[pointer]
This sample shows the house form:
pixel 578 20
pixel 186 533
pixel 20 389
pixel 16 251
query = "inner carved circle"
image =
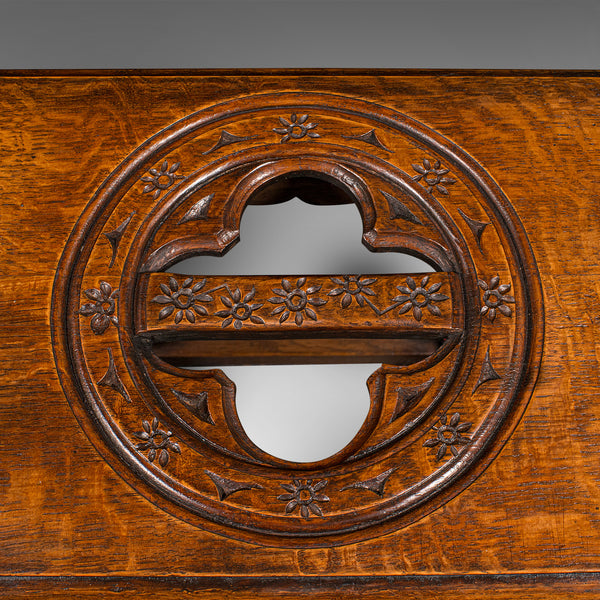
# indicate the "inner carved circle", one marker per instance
pixel 492 298
pixel 246 311
pixel 296 300
pixel 420 292
pixel 447 435
pixel 183 299
pixel 165 184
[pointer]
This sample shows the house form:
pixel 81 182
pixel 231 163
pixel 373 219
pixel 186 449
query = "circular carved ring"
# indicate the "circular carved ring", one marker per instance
pixel 174 434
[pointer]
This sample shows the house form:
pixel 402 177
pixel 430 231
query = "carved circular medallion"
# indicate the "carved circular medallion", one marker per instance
pixel 174 434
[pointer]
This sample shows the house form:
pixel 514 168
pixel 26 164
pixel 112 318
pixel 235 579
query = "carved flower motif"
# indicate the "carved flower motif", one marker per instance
pixel 157 441
pixel 495 298
pixel 449 435
pixel 296 300
pixel 418 297
pixel 103 307
pixel 352 287
pixel 161 180
pixel 183 299
pixel 296 128
pixel 239 310
pixel 433 176
pixel 304 495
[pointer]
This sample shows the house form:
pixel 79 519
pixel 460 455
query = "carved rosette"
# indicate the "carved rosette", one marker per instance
pixel 433 425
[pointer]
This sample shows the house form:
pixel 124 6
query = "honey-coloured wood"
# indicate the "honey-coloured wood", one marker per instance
pixel 475 470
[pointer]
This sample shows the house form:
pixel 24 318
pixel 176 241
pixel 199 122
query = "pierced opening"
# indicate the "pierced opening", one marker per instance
pixel 296 238
pixel 312 399
pixel 302 413
pixel 220 351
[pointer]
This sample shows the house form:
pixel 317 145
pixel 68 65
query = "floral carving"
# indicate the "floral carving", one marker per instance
pixel 418 297
pixel 157 441
pixel 353 287
pixel 296 128
pixel 239 310
pixel 295 300
pixel 495 298
pixel 103 307
pixel 161 180
pixel 184 299
pixel 449 435
pixel 304 495
pixel 432 176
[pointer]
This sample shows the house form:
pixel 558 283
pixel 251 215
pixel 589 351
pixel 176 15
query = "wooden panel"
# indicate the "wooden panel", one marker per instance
pixel 521 518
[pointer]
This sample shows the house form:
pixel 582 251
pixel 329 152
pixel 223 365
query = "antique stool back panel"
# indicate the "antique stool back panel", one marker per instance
pixel 489 480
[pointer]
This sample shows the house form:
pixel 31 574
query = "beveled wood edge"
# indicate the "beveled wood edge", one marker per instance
pixel 264 72
pixel 311 586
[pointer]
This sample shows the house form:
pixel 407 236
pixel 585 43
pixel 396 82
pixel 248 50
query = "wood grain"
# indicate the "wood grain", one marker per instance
pixel 527 526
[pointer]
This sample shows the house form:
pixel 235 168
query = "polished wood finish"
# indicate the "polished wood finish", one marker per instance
pixel 123 475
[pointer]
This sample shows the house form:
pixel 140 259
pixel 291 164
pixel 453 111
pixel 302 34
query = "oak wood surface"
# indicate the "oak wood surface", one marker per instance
pixel 527 527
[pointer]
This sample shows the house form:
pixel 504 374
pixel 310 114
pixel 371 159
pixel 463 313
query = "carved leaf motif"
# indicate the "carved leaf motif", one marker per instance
pixel 409 397
pixel 375 484
pixel 370 137
pixel 197 211
pixel 488 373
pixel 114 237
pixel 226 139
pixel 227 487
pixel 398 210
pixel 112 380
pixel 197 403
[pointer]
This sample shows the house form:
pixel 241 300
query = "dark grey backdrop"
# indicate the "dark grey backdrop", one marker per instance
pixel 288 33
pixel 282 414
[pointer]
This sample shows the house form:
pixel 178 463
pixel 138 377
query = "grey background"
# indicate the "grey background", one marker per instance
pixel 277 405
pixel 287 33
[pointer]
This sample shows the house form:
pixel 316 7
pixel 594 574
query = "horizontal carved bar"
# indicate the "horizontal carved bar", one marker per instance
pixel 398 305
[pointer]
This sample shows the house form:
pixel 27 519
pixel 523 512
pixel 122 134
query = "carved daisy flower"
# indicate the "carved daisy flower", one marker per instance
pixel 102 307
pixel 352 287
pixel 157 441
pixel 239 310
pixel 304 495
pixel 296 128
pixel 495 298
pixel 449 435
pixel 295 300
pixel 432 176
pixel 183 298
pixel 161 180
pixel 418 297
